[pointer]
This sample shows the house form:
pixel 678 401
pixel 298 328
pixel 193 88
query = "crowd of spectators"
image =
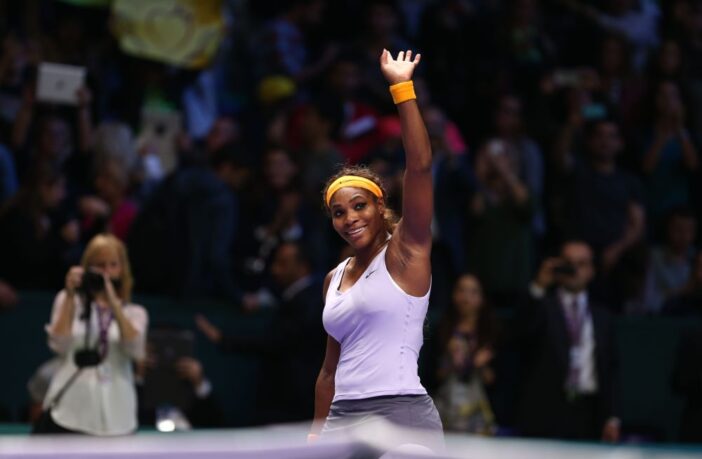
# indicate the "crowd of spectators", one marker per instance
pixel 550 121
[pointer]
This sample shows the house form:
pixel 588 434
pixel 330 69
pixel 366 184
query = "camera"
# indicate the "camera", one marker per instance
pixel 85 358
pixel 93 282
pixel 565 269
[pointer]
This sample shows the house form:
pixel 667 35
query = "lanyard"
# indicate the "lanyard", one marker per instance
pixel 104 319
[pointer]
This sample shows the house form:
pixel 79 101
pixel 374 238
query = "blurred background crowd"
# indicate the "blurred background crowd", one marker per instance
pixel 566 138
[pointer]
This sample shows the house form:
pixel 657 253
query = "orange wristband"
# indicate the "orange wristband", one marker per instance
pixel 402 92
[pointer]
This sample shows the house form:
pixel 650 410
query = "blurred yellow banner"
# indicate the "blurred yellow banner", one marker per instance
pixel 184 33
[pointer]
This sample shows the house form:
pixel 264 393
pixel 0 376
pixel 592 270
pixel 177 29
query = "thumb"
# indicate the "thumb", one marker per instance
pixel 384 56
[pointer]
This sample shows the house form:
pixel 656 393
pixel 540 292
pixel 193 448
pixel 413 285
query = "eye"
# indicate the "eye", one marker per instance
pixel 338 213
pixel 360 206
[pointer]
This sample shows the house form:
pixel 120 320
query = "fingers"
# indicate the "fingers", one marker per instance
pixel 402 56
pixel 385 56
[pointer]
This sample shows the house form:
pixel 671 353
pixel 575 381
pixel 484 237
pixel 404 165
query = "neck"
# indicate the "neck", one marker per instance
pixel 364 256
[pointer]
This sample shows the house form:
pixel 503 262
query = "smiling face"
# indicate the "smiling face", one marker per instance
pixel 357 216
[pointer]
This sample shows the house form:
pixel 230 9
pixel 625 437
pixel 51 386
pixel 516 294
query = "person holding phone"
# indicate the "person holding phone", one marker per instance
pixel 97 332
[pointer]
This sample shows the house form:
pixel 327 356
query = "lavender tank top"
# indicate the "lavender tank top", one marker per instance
pixel 380 329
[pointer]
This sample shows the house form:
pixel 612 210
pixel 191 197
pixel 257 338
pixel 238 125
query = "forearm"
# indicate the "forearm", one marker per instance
pixel 85 129
pixel 127 331
pixel 518 191
pixel 324 394
pixel 415 138
pixel 63 325
pixel 21 127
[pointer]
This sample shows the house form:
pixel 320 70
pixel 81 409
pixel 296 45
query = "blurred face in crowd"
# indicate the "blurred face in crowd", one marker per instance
pixel 313 11
pixel 286 266
pixel 618 7
pixel 313 126
pixel 224 131
pixel 345 78
pixel 681 233
pixel 467 295
pixel 613 56
pixel 55 139
pixel 668 100
pixel 53 193
pixel 382 19
pixel 106 260
pixel 15 58
pixel 605 141
pixel 279 169
pixel 669 58
pixel 111 180
pixel 357 216
pixel 508 119
pixel 578 255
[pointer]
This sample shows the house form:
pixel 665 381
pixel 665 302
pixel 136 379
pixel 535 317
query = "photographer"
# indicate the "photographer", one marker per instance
pixel 97 333
pixel 569 353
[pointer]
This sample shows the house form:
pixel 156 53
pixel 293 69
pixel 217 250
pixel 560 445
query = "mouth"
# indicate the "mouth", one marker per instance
pixel 355 233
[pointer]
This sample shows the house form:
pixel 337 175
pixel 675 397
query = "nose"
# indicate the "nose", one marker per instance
pixel 351 218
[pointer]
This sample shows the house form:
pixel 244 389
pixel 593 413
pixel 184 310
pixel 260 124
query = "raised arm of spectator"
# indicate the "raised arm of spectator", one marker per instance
pixel 23 120
pixel 85 119
pixel 652 156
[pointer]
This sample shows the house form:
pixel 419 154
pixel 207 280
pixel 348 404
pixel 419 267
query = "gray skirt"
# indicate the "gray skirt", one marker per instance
pixel 417 413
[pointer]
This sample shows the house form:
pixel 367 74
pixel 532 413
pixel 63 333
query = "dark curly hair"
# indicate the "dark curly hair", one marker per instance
pixel 389 217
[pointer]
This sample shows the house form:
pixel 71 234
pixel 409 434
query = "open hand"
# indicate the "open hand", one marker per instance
pixel 400 69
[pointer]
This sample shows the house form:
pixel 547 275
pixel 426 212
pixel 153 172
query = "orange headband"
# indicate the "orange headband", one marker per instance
pixel 355 181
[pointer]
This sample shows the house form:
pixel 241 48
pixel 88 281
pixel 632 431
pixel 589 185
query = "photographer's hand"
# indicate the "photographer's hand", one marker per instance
pixel 73 279
pixel 63 324
pixel 126 329
pixel 546 276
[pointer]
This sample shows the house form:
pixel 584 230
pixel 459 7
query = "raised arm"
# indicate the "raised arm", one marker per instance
pixel 414 230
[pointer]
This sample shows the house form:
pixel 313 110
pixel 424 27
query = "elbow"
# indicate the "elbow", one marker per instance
pixel 59 344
